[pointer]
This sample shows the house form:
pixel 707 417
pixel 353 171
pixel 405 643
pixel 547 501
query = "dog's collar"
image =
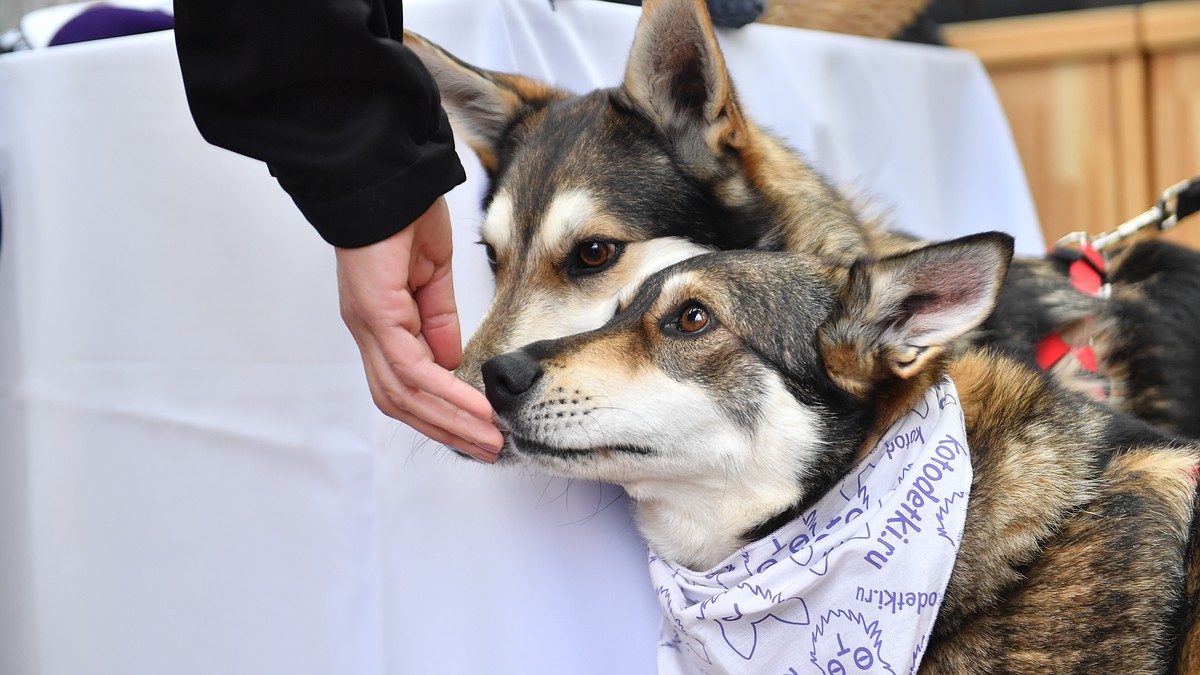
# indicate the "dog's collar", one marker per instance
pixel 853 585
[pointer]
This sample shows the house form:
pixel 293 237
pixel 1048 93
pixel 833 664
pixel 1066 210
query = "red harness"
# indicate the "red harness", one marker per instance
pixel 1088 276
pixel 1088 268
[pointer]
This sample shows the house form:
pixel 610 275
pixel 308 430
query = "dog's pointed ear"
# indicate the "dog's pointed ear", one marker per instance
pixel 677 76
pixel 896 314
pixel 482 104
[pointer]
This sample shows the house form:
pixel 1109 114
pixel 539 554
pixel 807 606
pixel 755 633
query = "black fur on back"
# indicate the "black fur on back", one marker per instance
pixel 1157 306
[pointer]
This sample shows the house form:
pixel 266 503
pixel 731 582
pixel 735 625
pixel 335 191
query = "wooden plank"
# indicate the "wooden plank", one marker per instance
pixel 1170 25
pixel 1063 122
pixel 1175 127
pixel 1057 36
pixel 1132 136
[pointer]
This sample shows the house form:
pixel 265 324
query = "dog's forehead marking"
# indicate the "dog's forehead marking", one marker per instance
pixel 546 316
pixel 650 256
pixel 497 228
pixel 565 217
pixel 676 286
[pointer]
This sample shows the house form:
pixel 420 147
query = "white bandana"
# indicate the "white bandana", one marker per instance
pixel 852 586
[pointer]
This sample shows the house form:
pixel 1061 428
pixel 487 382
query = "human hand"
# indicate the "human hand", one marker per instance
pixel 397 299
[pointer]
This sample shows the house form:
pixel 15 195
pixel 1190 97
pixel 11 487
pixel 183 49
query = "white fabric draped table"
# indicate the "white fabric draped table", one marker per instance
pixel 193 478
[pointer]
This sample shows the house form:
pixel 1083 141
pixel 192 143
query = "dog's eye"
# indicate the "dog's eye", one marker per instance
pixel 491 256
pixel 692 319
pixel 593 255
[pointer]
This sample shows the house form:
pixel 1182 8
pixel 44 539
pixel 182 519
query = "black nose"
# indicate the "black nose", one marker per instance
pixel 507 376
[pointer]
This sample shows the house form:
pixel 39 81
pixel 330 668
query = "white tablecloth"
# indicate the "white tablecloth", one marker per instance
pixel 193 479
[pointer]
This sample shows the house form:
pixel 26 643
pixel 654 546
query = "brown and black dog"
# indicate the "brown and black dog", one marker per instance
pixel 1080 518
pixel 736 387
pixel 589 194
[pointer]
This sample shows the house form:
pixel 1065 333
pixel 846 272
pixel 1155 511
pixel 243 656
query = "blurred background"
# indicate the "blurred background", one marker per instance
pixel 1103 99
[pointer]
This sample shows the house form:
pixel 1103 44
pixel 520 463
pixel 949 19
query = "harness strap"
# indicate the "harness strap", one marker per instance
pixel 1088 272
pixel 1052 349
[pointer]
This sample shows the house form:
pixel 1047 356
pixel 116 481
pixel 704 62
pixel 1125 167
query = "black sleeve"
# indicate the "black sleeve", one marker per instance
pixel 324 92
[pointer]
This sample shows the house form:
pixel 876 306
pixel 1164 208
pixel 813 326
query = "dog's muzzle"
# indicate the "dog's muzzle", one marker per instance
pixel 507 377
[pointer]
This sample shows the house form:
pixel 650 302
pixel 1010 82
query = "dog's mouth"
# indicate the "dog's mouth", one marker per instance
pixel 521 445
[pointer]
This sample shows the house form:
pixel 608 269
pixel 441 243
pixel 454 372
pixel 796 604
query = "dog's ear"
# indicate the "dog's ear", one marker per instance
pixel 677 77
pixel 896 314
pixel 481 104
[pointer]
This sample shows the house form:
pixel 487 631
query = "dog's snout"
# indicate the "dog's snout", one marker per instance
pixel 507 376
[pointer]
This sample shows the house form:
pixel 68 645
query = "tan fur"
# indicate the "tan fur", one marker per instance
pixel 1028 479
pixel 1189 650
pixel 827 227
pixel 1090 595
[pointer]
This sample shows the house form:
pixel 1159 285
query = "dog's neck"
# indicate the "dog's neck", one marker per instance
pixel 700 516
pixel 809 215
pixel 697 532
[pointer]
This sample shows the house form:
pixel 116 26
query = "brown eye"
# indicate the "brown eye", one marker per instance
pixel 593 254
pixel 693 319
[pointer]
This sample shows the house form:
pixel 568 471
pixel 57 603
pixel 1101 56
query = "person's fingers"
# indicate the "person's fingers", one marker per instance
pixel 410 359
pixel 397 298
pixel 432 283
pixel 406 384
pixel 389 407
pixel 373 285
pixel 402 383
pixel 446 438
pixel 443 385
pixel 439 318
